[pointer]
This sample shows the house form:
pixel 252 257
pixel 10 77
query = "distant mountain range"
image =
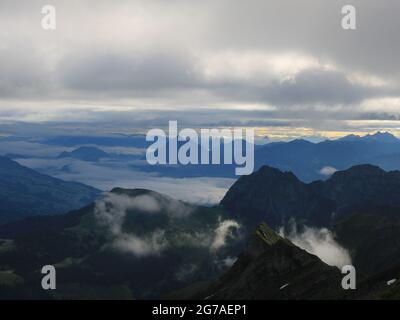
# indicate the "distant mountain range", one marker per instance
pixel 25 192
pixel 307 160
pixel 137 141
pixel 94 154
pixel 85 153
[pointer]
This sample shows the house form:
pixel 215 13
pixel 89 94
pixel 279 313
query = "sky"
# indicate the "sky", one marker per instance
pixel 286 68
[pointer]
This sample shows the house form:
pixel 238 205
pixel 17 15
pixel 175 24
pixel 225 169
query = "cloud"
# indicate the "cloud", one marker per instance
pixel 107 175
pixel 327 171
pixel 151 244
pixel 229 261
pixel 127 74
pixel 222 233
pixel 146 61
pixel 112 209
pixel 321 243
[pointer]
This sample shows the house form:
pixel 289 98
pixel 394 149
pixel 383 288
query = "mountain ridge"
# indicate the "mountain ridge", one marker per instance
pixel 271 267
pixel 25 192
pixel 275 196
pixel 85 153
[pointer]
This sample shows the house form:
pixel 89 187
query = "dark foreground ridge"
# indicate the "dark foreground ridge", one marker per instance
pixel 271 267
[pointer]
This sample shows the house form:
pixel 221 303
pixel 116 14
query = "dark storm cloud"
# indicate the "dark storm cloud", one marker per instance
pixel 311 87
pixel 130 76
pixel 313 26
pixel 186 55
pixel 122 73
pixel 22 74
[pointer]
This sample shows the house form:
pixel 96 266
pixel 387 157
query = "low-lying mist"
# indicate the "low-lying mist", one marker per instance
pixel 320 242
pixel 111 211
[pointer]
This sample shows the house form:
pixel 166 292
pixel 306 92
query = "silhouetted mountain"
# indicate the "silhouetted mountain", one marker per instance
pixel 25 192
pixel 271 267
pixel 86 154
pixel 276 197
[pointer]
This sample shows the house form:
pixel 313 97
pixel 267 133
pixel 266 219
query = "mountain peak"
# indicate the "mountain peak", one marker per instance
pixel 273 172
pixel 85 153
pixel 268 235
pixel 132 192
pixel 378 136
pixel 359 170
pixel 382 137
pixel 253 198
pixel 350 137
pixel 268 265
pixel 300 142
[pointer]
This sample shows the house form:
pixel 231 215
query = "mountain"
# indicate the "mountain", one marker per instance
pixel 384 137
pixel 307 160
pixel 92 154
pixel 372 236
pixel 121 140
pixel 129 244
pixel 276 197
pixel 360 205
pixel 25 192
pixel 271 267
pixel 139 244
pixel 381 137
pixel 362 185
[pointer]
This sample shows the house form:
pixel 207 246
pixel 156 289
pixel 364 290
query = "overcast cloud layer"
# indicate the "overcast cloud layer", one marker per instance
pixel 275 64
